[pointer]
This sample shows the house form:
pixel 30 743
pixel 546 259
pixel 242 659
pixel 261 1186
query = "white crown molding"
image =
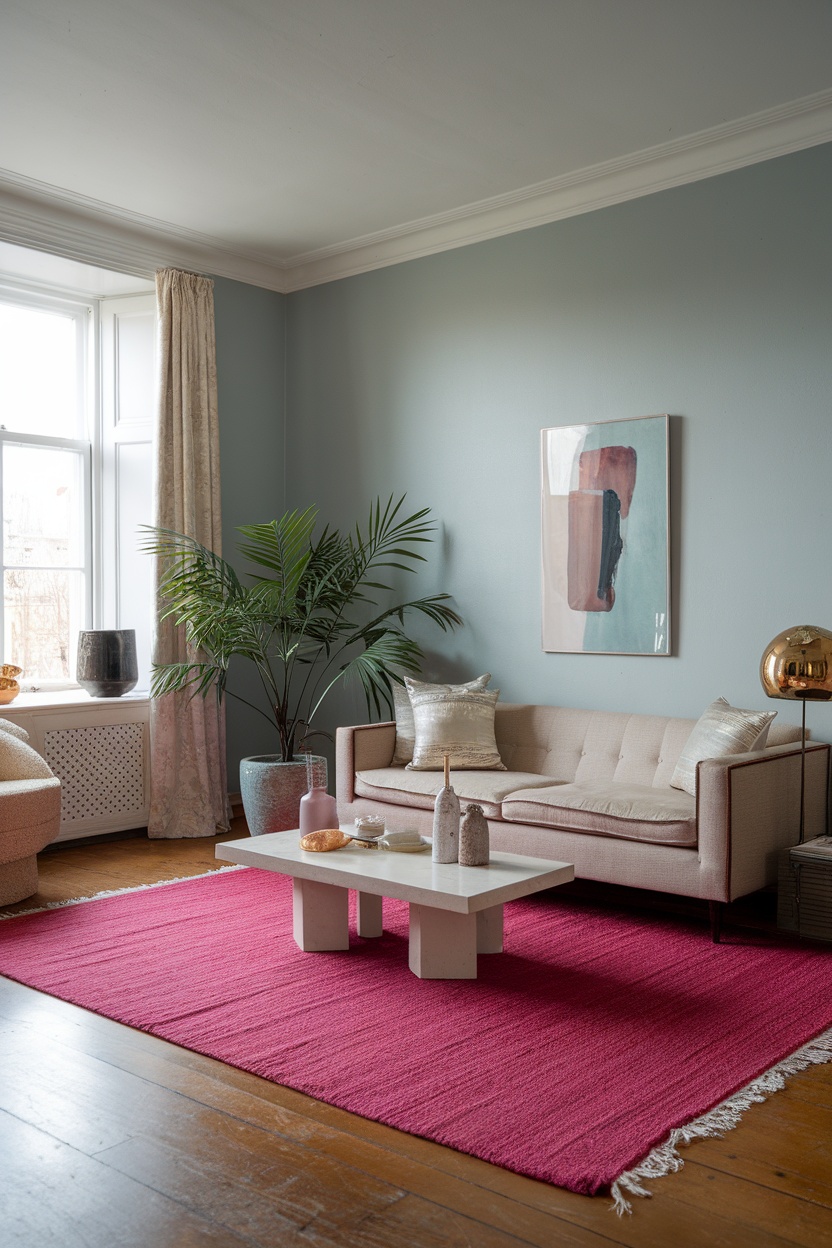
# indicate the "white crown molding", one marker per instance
pixel 33 214
pixel 763 136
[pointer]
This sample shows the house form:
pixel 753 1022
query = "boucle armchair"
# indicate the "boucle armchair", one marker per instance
pixel 30 812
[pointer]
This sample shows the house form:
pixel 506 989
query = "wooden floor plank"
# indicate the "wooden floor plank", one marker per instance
pixel 775 1153
pixel 249 1178
pixel 814 1085
pixel 788 1218
pixel 219 1156
pixel 53 1194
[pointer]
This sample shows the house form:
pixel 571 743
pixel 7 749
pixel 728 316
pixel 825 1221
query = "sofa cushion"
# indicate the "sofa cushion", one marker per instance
pixel 403 787
pixel 405 727
pixel 722 729
pixel 632 812
pixel 458 723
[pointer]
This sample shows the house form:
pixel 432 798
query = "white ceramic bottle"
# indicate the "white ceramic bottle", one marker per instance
pixel 446 822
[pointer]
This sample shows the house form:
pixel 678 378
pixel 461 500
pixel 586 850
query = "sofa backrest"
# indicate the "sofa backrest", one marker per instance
pixel 574 745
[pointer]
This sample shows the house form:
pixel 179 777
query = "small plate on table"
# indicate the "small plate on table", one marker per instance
pixel 405 847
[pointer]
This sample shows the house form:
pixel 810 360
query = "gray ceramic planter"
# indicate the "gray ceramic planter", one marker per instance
pixel 107 662
pixel 271 790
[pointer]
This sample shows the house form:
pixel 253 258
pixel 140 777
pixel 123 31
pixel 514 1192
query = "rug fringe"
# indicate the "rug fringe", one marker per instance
pixel 666 1159
pixel 117 892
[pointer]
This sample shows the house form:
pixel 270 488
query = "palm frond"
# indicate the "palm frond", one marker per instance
pixel 385 648
pixel 302 617
pixel 188 566
pixel 433 608
pixel 199 678
pixel 282 546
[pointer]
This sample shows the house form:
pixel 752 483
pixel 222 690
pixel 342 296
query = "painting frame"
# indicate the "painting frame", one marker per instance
pixel 605 537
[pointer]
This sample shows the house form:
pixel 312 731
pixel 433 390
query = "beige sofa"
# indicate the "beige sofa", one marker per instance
pixel 593 788
pixel 30 812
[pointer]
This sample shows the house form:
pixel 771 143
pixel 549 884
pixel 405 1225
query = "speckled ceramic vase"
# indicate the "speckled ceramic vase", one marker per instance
pixel 474 850
pixel 446 826
pixel 271 790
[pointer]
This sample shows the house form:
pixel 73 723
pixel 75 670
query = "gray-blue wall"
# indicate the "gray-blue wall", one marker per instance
pixel 710 302
pixel 251 359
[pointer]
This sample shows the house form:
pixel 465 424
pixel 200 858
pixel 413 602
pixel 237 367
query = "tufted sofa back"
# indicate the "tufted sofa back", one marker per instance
pixel 599 745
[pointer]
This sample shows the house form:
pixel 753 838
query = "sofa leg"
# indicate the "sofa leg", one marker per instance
pixel 716 909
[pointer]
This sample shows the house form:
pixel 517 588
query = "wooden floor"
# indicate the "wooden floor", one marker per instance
pixel 112 1139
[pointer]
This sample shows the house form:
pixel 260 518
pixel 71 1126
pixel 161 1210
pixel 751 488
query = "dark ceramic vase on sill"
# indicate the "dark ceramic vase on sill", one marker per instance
pixel 107 662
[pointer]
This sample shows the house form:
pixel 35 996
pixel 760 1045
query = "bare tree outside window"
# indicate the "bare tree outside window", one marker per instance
pixel 42 465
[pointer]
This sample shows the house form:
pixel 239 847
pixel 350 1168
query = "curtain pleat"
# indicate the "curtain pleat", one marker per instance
pixel 189 790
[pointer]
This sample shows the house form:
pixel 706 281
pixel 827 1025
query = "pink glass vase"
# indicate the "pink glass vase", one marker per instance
pixel 317 810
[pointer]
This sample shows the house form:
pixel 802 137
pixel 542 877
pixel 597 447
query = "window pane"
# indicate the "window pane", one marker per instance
pixel 43 507
pixel 39 384
pixel 43 613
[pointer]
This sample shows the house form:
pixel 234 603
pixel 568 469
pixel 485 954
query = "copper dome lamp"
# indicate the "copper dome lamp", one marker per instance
pixel 797 665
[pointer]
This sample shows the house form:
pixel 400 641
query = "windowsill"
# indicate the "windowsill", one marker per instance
pixel 69 697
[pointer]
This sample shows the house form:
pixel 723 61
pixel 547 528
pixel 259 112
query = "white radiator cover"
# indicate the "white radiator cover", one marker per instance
pixel 101 770
pixel 100 750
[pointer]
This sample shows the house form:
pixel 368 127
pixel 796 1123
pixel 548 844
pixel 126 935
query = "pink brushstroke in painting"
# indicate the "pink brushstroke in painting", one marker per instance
pixel 606 481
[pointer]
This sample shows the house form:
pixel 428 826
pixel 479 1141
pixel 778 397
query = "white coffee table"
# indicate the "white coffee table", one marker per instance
pixel 455 912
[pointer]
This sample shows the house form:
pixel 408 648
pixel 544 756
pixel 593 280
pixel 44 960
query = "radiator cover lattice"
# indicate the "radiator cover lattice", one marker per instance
pixel 101 769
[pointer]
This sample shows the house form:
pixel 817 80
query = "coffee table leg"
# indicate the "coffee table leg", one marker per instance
pixel 443 944
pixel 490 930
pixel 321 916
pixel 369 914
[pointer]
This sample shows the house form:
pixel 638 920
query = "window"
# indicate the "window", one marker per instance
pixel 76 386
pixel 45 483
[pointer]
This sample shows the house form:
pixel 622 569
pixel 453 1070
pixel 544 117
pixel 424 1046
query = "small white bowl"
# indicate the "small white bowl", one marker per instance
pixel 367 828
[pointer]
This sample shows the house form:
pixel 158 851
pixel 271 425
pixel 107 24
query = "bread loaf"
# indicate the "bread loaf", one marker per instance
pixel 325 839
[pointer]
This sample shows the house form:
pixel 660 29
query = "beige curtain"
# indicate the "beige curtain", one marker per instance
pixel 187 735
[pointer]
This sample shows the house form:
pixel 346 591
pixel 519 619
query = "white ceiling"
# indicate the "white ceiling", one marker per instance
pixel 291 141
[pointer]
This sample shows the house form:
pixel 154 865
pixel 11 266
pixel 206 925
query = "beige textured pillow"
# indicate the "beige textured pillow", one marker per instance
pixel 14 729
pixel 722 729
pixel 405 728
pixel 459 723
pixel 18 761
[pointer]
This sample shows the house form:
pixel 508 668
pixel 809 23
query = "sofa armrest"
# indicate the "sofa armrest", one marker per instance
pixel 748 810
pixel 360 748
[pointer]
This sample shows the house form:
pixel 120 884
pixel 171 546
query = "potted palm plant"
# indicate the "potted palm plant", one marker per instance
pixel 318 611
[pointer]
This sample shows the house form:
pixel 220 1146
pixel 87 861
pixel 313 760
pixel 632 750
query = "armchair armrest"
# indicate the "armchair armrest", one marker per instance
pixel 18 761
pixel 748 810
pixel 360 748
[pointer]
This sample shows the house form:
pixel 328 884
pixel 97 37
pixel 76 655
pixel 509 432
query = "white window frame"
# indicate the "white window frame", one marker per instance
pixel 85 314
pixel 112 436
pixel 124 466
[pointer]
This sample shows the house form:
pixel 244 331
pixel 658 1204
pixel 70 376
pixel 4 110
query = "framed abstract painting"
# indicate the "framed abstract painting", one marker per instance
pixel 605 539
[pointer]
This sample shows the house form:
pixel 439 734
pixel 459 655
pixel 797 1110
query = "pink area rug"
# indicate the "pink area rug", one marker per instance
pixel 591 1039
